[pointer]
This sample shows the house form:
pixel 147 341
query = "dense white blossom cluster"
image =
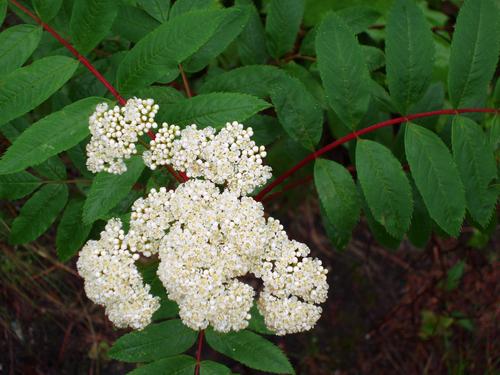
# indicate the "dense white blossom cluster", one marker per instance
pixel 228 157
pixel 207 233
pixel 115 131
pixel 112 279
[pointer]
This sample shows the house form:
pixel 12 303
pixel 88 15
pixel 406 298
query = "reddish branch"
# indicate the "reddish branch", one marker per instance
pixel 353 135
pixel 198 352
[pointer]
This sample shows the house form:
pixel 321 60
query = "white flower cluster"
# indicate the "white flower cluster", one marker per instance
pixel 228 157
pixel 115 132
pixel 112 279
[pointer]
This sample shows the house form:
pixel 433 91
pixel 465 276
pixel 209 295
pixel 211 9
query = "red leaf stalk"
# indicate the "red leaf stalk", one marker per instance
pixel 198 352
pixel 311 157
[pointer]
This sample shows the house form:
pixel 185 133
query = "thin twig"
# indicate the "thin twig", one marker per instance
pixel 198 352
pixel 185 81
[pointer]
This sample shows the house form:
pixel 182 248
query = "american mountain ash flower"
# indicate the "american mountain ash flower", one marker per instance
pixel 208 236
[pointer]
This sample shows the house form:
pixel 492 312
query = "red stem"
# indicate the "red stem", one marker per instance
pixel 198 352
pixel 75 53
pixel 311 157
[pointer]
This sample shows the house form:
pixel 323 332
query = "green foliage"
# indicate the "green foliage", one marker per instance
pixel 160 52
pixel 298 111
pixel 27 87
pixel 409 54
pixel 213 109
pixel 186 6
pixel 477 168
pixel 252 40
pixel 250 349
pixel 282 25
pixel 154 342
pixel 38 213
pixel 71 233
pixel 47 9
pixel 17 43
pixel 49 136
pixel 108 190
pixel 18 185
pixel 339 198
pixel 343 70
pixel 213 368
pixel 157 9
pixel 3 10
pixel 385 187
pixel 436 177
pixel 474 52
pixel 177 365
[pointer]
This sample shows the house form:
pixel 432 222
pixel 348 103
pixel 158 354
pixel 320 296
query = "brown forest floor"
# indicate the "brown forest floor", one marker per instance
pixel 372 322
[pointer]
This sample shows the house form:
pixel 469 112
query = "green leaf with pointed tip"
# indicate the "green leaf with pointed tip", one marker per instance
pixel 213 109
pixel 157 9
pixel 252 40
pixel 298 112
pixel 474 52
pixel 477 167
pixel 47 9
pixel 282 25
pixel 3 10
pixel 375 58
pixel 359 17
pixel 186 6
pixel 91 21
pixel 27 87
pixel 108 190
pixel 231 26
pixel 133 23
pixel 17 43
pixel 250 349
pixel 51 135
pixel 383 237
pixel 257 323
pixel 213 368
pixel 385 187
pixel 38 213
pixel 409 54
pixel 255 80
pixel 18 185
pixel 71 233
pixel 177 365
pixel 421 224
pixel 343 70
pixel 436 177
pixel 154 342
pixel 160 52
pixel 338 196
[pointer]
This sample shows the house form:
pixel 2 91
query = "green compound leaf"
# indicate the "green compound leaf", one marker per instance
pixel 385 187
pixel 18 185
pixel 250 349
pixel 343 70
pixel 71 232
pixel 17 43
pixel 57 132
pixel 27 87
pixel 91 21
pixel 477 167
pixel 359 17
pixel 213 109
pixel 177 365
pixel 409 54
pixel 157 9
pixel 47 9
pixel 160 52
pixel 436 177
pixel 213 368
pixel 339 198
pixel 257 323
pixel 474 52
pixel 108 190
pixel 231 26
pixel 252 40
pixel 154 342
pixel 186 6
pixel 421 224
pixel 53 168
pixel 133 23
pixel 282 25
pixel 298 112
pixel 38 213
pixel 3 10
pixel 257 80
